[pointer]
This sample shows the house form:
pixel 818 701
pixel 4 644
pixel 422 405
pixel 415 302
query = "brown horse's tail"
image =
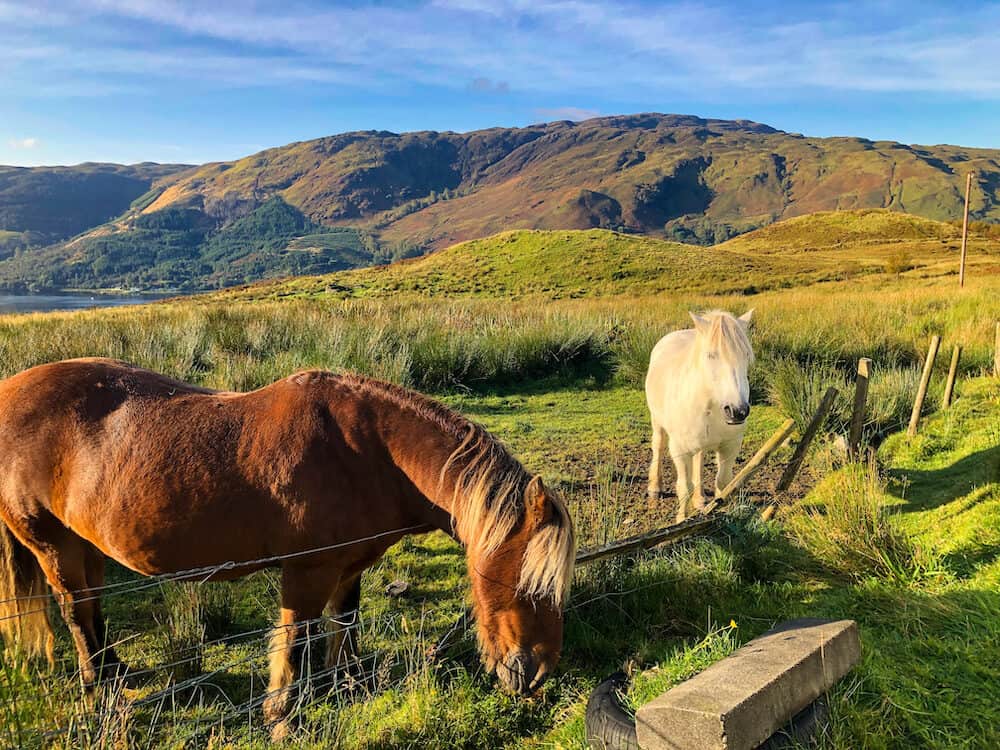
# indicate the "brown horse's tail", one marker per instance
pixel 24 599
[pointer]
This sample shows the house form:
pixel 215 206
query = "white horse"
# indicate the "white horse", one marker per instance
pixel 699 398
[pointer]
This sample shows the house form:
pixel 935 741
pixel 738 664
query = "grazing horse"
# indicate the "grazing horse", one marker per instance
pixel 100 458
pixel 699 399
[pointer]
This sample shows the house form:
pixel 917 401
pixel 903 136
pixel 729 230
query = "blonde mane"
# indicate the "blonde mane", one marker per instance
pixel 488 502
pixel 727 336
pixel 488 499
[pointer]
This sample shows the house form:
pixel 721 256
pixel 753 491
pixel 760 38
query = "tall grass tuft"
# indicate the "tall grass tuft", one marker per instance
pixel 850 531
pixel 184 629
pixel 797 389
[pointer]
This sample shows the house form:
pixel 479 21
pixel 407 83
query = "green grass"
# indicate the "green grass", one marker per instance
pixel 931 642
pixel 559 381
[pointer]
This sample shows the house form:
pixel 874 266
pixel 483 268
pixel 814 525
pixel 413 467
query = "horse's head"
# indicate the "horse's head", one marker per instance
pixel 520 589
pixel 724 357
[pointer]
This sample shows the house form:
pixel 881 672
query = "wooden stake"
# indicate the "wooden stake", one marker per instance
pixel 767 513
pixel 949 386
pixel 996 352
pixel 860 402
pixel 800 450
pixel 965 230
pixel 646 540
pixel 753 465
pixel 925 379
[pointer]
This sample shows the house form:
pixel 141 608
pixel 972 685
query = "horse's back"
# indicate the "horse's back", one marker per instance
pixel 149 468
pixel 666 359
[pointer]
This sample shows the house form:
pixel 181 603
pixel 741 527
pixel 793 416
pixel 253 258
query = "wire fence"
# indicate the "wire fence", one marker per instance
pixel 218 685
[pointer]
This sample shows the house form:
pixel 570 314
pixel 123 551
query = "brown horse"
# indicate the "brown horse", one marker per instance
pixel 100 458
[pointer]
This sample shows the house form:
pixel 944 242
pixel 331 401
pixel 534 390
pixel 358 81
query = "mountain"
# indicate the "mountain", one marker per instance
pixel 366 197
pixel 681 177
pixel 42 205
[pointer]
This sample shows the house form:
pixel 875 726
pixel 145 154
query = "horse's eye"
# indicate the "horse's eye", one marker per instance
pixel 713 355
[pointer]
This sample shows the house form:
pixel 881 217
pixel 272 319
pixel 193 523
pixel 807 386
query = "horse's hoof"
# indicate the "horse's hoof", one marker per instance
pixel 281 731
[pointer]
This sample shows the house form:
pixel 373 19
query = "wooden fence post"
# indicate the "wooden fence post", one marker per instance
pixel 925 379
pixel 800 451
pixel 949 386
pixel 965 231
pixel 751 467
pixel 996 352
pixel 858 411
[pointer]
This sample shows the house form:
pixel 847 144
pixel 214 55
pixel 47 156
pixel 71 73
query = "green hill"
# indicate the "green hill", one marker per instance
pixel 597 262
pixel 842 229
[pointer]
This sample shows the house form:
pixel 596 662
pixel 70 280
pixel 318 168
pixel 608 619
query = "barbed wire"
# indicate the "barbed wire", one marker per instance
pixel 208 571
pixel 194 687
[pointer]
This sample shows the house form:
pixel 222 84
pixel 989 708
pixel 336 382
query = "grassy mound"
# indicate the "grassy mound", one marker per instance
pixel 842 230
pixel 555 264
pixel 558 265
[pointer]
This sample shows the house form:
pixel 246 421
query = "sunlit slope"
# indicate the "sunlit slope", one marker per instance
pixel 555 264
pixel 843 230
pixel 592 263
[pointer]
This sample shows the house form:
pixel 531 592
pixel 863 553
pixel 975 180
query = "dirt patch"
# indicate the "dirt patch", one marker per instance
pixel 615 506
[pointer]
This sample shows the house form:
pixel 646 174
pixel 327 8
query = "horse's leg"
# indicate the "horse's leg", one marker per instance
pixel 63 558
pixel 655 486
pixel 726 457
pixel 682 462
pixel 345 606
pixel 106 657
pixel 697 494
pixel 295 645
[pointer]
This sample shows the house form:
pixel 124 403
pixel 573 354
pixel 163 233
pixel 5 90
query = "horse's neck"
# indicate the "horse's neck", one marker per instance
pixel 420 450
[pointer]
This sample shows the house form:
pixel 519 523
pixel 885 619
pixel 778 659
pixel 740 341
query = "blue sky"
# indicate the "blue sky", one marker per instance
pixel 179 80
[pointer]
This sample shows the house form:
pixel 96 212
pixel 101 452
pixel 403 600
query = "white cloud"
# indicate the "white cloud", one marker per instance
pixel 567 113
pixel 23 143
pixel 637 49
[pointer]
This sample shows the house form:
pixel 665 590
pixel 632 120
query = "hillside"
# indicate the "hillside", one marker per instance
pixel 42 205
pixel 597 262
pixel 386 196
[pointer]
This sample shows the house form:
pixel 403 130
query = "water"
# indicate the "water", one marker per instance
pixel 22 303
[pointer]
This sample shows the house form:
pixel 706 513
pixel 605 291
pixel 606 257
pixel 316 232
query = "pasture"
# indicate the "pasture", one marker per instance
pixel 906 543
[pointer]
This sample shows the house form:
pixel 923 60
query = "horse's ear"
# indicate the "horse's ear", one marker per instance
pixel 535 496
pixel 700 324
pixel 746 317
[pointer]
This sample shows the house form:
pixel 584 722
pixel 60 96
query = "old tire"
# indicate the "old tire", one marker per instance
pixel 609 727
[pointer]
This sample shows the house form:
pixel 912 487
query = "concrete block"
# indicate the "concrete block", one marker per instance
pixel 737 703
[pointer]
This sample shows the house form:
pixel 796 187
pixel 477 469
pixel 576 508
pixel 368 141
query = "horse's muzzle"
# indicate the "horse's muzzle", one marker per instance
pixel 520 673
pixel 736 414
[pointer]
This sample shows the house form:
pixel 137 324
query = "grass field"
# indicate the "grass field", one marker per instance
pixel 907 545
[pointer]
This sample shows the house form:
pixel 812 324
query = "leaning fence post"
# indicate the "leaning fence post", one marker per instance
pixel 800 450
pixel 949 386
pixel 751 467
pixel 860 401
pixel 925 379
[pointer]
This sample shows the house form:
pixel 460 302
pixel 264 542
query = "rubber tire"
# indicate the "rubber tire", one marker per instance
pixel 609 727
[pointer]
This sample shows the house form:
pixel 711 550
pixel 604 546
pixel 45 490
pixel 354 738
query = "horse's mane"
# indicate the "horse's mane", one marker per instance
pixel 488 500
pixel 727 336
